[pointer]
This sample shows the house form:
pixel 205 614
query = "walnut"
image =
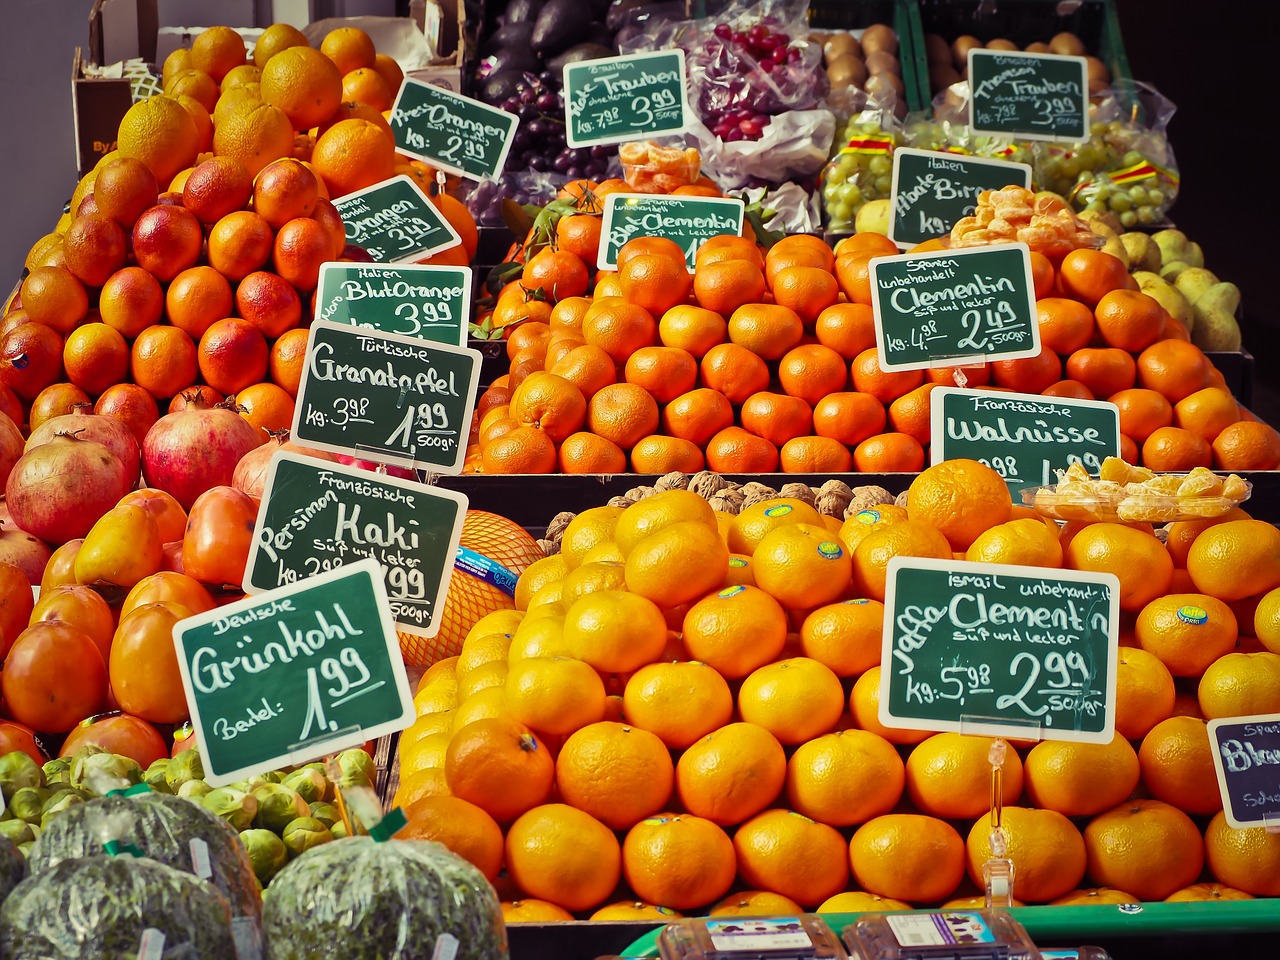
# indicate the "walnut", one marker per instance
pixel 672 481
pixel 798 491
pixel 725 502
pixel 549 547
pixel 831 504
pixel 837 487
pixel 636 494
pixel 623 502
pixel 874 494
pixel 901 500
pixel 758 491
pixel 555 529
pixel 706 484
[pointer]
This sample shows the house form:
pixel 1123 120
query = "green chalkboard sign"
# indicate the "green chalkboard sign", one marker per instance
pixel 932 190
pixel 945 307
pixel 394 221
pixel 1033 96
pixel 686 220
pixel 1246 758
pixel 625 98
pixel 318 516
pixel 1023 437
pixel 294 674
pixel 384 397
pixel 413 300
pixel 1000 650
pixel 450 131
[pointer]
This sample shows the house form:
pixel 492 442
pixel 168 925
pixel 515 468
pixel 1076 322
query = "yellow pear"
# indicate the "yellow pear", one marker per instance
pixel 122 547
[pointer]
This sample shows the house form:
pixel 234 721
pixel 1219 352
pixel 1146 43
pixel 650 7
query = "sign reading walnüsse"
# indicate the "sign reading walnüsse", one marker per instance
pixel 1035 96
pixel 932 191
pixel 1000 650
pixel 294 674
pixel 1024 437
pixel 385 397
pixel 631 97
pixel 414 300
pixel 395 221
pixel 1246 757
pixel 450 131
pixel 950 306
pixel 318 516
pixel 686 220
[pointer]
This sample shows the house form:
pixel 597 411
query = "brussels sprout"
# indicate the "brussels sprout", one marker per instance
pixel 304 833
pixel 357 768
pixel 308 784
pixel 187 765
pixel 272 776
pixel 267 853
pixel 234 806
pixel 57 770
pixel 17 831
pixel 60 801
pixel 17 770
pixel 100 772
pixel 194 790
pixel 277 805
pixel 27 803
pixel 326 813
pixel 153 776
pixel 339 830
pixel 25 848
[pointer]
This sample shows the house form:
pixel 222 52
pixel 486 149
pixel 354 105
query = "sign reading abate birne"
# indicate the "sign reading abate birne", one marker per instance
pixel 450 131
pixel 1246 756
pixel 946 307
pixel 933 191
pixel 1024 437
pixel 395 221
pixel 293 674
pixel 1000 650
pixel 1035 96
pixel 414 300
pixel 318 516
pixel 689 221
pixel 615 99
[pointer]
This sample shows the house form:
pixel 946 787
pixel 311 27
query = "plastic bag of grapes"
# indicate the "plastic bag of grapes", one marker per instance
pixel 861 169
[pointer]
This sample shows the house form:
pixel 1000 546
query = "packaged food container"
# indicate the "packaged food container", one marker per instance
pixel 938 934
pixel 750 938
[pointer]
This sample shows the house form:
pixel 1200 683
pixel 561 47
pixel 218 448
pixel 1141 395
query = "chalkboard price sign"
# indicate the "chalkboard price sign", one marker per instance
pixel 318 516
pixel 293 674
pixel 686 220
pixel 932 191
pixel 1023 437
pixel 385 397
pixel 413 300
pixel 394 221
pixel 1035 96
pixel 450 131
pixel 616 99
pixel 1000 650
pixel 949 306
pixel 1246 756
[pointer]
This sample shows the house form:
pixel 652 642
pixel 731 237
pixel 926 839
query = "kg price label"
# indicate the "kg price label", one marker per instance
pixel 616 99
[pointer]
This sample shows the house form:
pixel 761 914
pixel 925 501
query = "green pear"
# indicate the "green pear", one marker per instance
pixel 1117 249
pixel 1216 330
pixel 1172 269
pixel 1169 297
pixel 121 548
pixel 1194 282
pixel 1193 254
pixel 1172 244
pixel 1143 252
pixel 873 217
pixel 1101 218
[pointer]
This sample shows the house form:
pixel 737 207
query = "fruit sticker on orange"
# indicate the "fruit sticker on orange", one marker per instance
pixel 1246 757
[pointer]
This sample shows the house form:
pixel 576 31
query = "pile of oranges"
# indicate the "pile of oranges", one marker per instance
pixel 766 360
pixel 682 715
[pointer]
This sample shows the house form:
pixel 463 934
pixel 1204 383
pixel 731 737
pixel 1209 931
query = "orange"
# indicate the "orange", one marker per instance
pixel 55 297
pixel 855 529
pixel 1174 368
pixel 216 51
pixel 55 400
pixel 776 417
pixel 767 330
pixel 655 282
pixel 94 247
pixel 232 355
pixel 1027 541
pixel 811 372
pixel 579 452
pixel 802 566
pixel 1247 859
pixel 266 406
pixel 755 903
pixel 908 857
pixel 95 357
pixel 911 413
pixel 529 910
pixel 131 405
pixel 463 827
pixel 288 354
pixel 734 450
pixel 1029 374
pixel 1144 846
pixel 859 901
pixel 1105 371
pixel 160 132
pixel 845 637
pixel 1247 445
pixel 885 386
pixel 803 242
pixel 731 773
pixel 587 367
pixel 1175 449
pixel 197 85
pixel 283 190
pixel 619 328
pixel 1144 692
pixel 1138 560
pixel 677 564
pixel 1187 631
pixel 269 302
pixel 864 708
pixel 678 860
pixel 1240 685
pixel 557 273
pixel 724 286
pixel 523 450
pixel 550 403
pixel 1068 388
pixel 644 245
pixel 806 290
pixel 353 154
pixel 751 524
pixel 680 701
pixel 736 630
pixel 1065 325
pixel 844 778
pixel 255 133
pixel 693 329
pixel 1236 559
pixel 853 272
pixel 239 244
pixel 1266 621
pixel 1176 759
pixel 277 37
pixel 795 699
pixel 847 328
pixel 734 371
pixel 849 417
pixel 623 413
pixel 1047 851
pixel 563 855
pixel 350 48
pixel 1142 412
pixel 866 242
pixel 1207 891
pixel 123 189
pixel 728 246
pixel 1089 275
pixel 617 773
pixel 615 631
pixel 1207 412
pixel 196 298
pixel 163 361
pixel 659 455
pixel 664 372
pixel 1093 897
pixel 652 514
pixel 634 910
pixel 973 375
pixel 949 776
pixel 579 234
pixel 586 530
pixel 790 854
pixel 167 239
pixel 962 498
pixel 367 85
pixel 909 538
pixel 1134 321
pixel 499 765
pixel 1081 779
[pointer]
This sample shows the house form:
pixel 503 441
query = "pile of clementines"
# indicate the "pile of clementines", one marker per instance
pixel 766 359
pixel 681 714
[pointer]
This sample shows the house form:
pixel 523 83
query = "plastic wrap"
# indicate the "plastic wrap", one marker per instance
pixel 397 900
pixel 1014 214
pixel 861 167
pixel 13 867
pixel 102 907
pixel 177 832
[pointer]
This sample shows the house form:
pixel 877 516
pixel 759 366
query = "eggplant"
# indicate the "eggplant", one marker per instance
pixel 560 24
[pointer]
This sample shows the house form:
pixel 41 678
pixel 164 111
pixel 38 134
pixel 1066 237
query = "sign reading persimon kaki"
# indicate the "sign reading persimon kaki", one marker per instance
pixel 414 300
pixel 318 516
pixel 631 97
pixel 687 220
pixel 1246 758
pixel 450 131
pixel 1024 437
pixel 1000 650
pixel 291 675
pixel 932 191
pixel 949 306
pixel 394 221
pixel 1034 96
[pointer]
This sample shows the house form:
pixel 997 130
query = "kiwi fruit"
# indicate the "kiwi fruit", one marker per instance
pixel 936 49
pixel 881 37
pixel 1067 44
pixel 881 61
pixel 960 48
pixel 1000 43
pixel 846 70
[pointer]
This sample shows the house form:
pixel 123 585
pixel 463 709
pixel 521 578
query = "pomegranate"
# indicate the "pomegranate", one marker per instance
pixel 58 490
pixel 251 472
pixel 191 450
pixel 24 551
pixel 82 422
pixel 11 446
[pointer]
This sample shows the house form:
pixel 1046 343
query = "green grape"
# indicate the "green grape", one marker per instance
pixel 1138 194
pixel 884 183
pixel 1155 196
pixel 1121 202
pixel 881 165
pixel 851 194
pixel 1128 219
pixel 1147 215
